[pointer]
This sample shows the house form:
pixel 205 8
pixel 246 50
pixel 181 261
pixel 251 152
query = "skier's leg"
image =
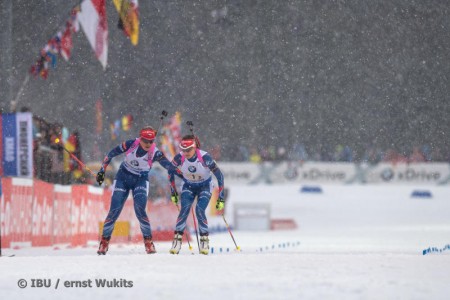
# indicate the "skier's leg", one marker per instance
pixel 187 198
pixel 140 192
pixel 118 199
pixel 200 211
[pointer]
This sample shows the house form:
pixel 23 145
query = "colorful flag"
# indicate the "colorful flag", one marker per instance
pixel 115 129
pixel 70 146
pixel 51 52
pixel 40 68
pixel 171 136
pixel 98 116
pixel 74 24
pixel 92 18
pixel 66 42
pixel 60 44
pixel 127 122
pixel 128 18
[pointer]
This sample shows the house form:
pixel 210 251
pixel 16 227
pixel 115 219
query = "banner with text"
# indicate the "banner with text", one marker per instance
pixel 17 145
pixel 335 173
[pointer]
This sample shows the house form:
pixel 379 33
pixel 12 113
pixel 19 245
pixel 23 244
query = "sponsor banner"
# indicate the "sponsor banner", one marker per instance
pixel 5 211
pixel 17 145
pixel 62 214
pixel 25 144
pixel 42 214
pixel 162 214
pixel 163 217
pixel 78 215
pixel 335 173
pixel 17 204
pixel 1 145
pixel 87 213
pixel 286 172
pixel 94 211
pixel 9 142
pixel 418 173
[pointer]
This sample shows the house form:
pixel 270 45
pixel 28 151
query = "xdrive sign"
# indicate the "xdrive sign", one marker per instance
pixel 410 175
pixel 323 175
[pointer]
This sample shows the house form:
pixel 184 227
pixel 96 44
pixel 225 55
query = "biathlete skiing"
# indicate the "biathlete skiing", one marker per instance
pixel 196 167
pixel 140 154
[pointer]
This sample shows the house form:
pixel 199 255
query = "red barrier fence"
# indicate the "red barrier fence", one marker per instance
pixel 42 232
pixel 37 213
pixel 17 204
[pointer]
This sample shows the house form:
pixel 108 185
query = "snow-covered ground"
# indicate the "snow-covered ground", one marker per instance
pixel 352 242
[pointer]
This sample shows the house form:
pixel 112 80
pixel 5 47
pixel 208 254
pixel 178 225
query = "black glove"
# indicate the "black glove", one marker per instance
pixel 100 177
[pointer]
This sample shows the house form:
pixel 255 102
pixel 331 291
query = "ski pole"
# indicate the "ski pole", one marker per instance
pixel 163 114
pixel 195 226
pixel 57 141
pixel 229 230
pixel 187 238
pixel 191 126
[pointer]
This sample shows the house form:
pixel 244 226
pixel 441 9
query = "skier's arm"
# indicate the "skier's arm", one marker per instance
pixel 114 152
pixel 173 189
pixel 212 165
pixel 164 162
pixel 176 162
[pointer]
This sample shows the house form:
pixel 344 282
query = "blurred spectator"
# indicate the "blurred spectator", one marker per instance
pixel 394 157
pixel 416 156
pixel 372 155
pixel 281 153
pixel 254 156
pixel 426 151
pixel 298 153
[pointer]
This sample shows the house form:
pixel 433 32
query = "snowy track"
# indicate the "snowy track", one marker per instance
pixel 350 247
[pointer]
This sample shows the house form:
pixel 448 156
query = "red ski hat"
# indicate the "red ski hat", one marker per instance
pixel 147 133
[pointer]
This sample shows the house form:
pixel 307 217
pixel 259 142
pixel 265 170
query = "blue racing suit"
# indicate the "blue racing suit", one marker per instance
pixel 132 175
pixel 196 173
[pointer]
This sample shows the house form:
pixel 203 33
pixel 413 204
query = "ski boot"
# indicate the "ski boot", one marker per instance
pixel 176 244
pixel 103 247
pixel 204 244
pixel 149 246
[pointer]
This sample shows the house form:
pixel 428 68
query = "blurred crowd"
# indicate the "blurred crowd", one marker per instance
pixel 339 153
pixel 51 162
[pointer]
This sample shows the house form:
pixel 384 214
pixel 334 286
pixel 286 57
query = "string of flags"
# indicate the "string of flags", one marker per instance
pixel 91 15
pixel 60 44
pixel 171 136
pixel 123 124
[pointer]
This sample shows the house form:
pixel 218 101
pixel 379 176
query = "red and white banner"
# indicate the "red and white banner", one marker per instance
pixel 16 208
pixel 62 213
pixel 42 231
pixel 37 213
pixel 87 212
pixel 92 18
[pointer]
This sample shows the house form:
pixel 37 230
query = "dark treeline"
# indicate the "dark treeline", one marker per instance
pixel 256 73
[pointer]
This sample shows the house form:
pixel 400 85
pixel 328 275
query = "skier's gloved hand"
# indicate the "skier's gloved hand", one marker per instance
pixel 100 177
pixel 220 203
pixel 174 198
